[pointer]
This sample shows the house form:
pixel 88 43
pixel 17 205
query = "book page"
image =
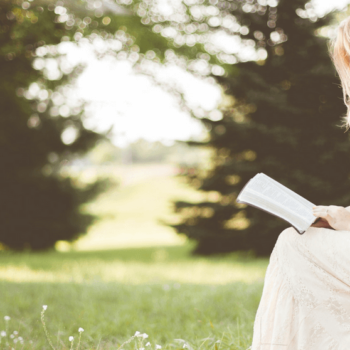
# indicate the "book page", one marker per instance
pixel 268 194
pixel 297 197
pixel 284 196
pixel 255 199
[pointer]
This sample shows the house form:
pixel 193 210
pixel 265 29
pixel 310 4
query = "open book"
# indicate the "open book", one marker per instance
pixel 265 193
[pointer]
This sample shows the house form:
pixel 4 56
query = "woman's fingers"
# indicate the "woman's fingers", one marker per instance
pixel 320 207
pixel 326 211
pixel 337 217
pixel 320 211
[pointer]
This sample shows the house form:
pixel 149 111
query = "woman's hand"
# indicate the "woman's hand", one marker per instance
pixel 322 223
pixel 336 217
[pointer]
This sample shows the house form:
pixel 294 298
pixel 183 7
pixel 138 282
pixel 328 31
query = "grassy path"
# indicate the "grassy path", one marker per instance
pixel 130 213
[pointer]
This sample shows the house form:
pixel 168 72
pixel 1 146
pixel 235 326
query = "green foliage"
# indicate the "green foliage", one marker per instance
pixel 40 204
pixel 88 290
pixel 284 121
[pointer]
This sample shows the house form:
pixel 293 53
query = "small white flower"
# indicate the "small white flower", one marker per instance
pixel 144 335
pixel 12 336
pixel 218 341
pixel 136 334
pixel 44 307
pixel 148 344
pixel 3 333
pixel 20 338
pixel 7 318
pixel 158 346
pixel 15 340
pixel 15 332
pixel 71 338
pixel 80 330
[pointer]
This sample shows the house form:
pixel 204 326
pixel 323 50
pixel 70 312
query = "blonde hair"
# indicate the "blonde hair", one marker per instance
pixel 340 54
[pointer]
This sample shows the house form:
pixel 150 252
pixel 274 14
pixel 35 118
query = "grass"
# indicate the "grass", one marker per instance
pixel 128 274
pixel 162 291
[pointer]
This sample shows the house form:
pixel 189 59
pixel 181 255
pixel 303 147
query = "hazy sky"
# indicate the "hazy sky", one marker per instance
pixel 323 6
pixel 135 107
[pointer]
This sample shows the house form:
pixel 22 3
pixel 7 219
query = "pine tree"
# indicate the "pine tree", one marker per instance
pixel 37 206
pixel 39 203
pixel 284 122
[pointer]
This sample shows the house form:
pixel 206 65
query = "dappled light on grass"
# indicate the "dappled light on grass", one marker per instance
pixel 131 266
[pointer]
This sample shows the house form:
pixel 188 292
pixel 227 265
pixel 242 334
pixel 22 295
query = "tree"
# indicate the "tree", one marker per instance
pixel 39 131
pixel 284 121
pixel 38 207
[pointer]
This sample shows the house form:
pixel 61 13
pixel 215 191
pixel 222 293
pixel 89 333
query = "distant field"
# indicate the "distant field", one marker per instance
pixel 130 212
pixel 162 291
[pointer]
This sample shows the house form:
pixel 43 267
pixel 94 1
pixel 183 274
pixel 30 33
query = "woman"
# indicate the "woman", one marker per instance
pixel 306 298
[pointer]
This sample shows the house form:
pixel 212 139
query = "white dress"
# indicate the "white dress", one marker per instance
pixel 305 303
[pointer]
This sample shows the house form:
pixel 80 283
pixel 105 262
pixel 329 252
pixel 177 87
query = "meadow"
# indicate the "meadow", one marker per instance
pixel 177 299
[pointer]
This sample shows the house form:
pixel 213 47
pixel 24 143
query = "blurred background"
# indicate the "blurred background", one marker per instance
pixel 127 130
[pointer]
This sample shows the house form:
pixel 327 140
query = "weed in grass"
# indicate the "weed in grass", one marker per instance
pixel 80 330
pixel 71 339
pixel 44 326
pixel 227 341
pixel 138 337
pixel 6 337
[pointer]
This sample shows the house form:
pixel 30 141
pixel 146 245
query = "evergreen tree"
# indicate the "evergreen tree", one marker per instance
pixel 39 133
pixel 284 122
pixel 37 206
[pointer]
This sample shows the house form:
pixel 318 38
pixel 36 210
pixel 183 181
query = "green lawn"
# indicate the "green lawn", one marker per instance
pixel 130 273
pixel 162 291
